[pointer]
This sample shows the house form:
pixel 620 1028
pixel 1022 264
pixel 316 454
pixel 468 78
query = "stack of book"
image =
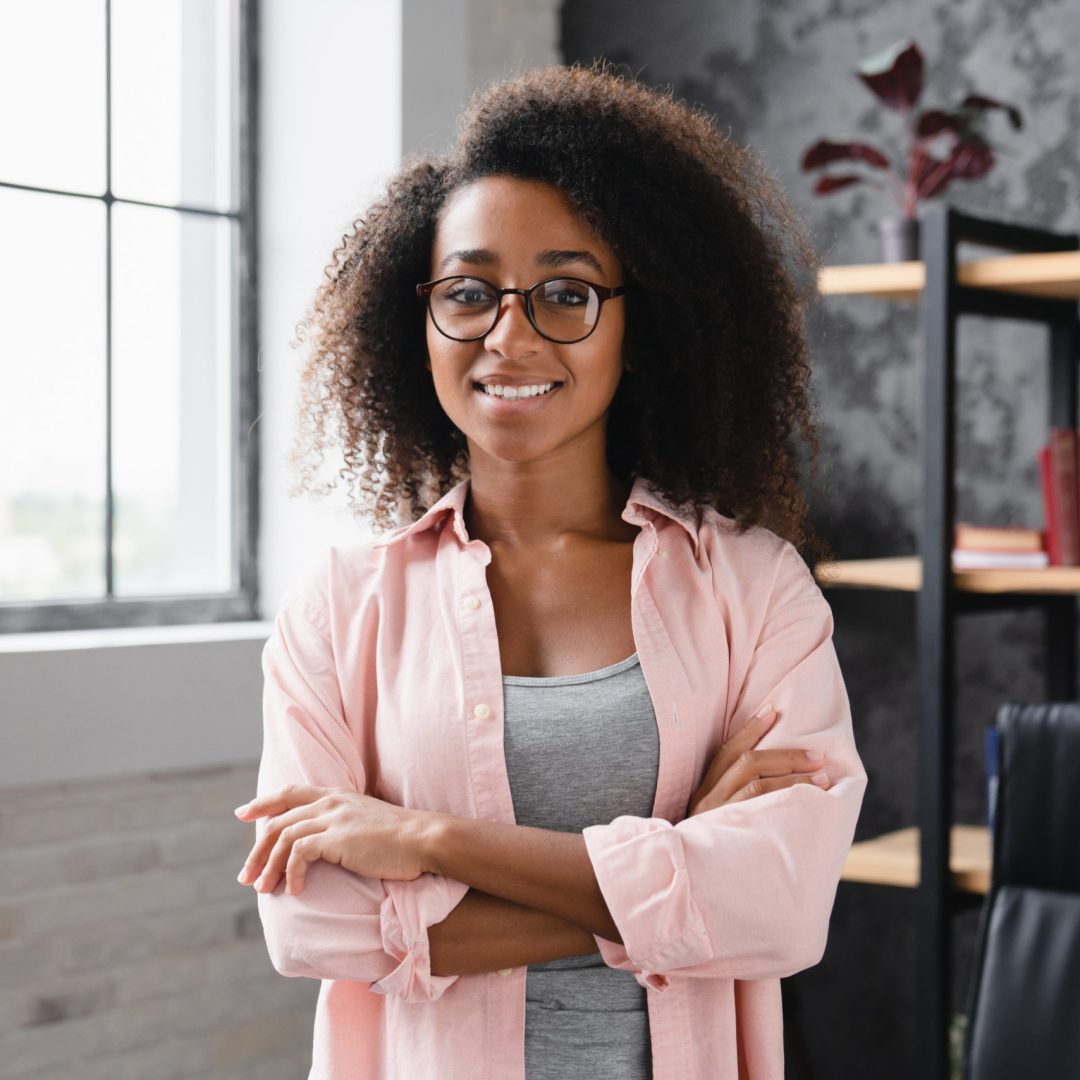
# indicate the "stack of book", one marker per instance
pixel 980 546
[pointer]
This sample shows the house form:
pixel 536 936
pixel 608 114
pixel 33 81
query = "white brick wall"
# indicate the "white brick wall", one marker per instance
pixel 127 947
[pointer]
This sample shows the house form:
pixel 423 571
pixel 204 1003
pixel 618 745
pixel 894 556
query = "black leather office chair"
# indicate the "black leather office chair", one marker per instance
pixel 1024 999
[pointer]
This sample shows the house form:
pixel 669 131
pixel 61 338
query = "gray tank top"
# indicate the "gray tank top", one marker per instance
pixel 581 750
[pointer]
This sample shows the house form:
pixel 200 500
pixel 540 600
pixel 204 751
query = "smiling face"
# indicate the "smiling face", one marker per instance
pixel 514 233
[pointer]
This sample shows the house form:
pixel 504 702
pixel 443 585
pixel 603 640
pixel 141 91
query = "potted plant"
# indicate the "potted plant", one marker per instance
pixel 895 76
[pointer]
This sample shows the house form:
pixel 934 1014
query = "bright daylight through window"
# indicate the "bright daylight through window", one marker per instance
pixel 124 213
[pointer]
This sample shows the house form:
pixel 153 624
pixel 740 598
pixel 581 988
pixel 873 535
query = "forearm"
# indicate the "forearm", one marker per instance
pixel 538 868
pixel 488 933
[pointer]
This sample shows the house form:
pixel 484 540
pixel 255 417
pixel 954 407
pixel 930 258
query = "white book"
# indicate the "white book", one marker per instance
pixel 1005 560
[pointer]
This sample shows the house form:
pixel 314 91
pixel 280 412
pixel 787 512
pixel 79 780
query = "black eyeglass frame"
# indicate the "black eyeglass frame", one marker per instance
pixel 604 292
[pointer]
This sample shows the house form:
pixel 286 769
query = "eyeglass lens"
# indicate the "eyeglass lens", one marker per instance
pixel 565 310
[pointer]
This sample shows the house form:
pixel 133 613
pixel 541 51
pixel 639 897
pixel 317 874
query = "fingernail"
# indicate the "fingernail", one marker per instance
pixel 764 712
pixel 821 779
pixel 815 755
pixel 240 809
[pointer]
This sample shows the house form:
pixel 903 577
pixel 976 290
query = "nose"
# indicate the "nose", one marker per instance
pixel 512 332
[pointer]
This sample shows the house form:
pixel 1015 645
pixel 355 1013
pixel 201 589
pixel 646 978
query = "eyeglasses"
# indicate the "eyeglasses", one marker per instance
pixel 563 310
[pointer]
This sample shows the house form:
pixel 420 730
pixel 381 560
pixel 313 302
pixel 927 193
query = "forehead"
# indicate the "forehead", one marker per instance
pixel 512 215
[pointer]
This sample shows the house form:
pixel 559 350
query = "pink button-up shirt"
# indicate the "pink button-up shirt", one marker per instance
pixel 383 674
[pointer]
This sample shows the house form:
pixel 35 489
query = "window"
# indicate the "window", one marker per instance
pixel 128 382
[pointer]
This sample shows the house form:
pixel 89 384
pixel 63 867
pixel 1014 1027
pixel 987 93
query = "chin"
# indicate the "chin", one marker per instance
pixel 508 448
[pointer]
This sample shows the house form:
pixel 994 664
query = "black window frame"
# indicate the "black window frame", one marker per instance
pixel 242 603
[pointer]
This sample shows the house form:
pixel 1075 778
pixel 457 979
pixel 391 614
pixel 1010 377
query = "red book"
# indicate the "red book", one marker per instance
pixel 1053 541
pixel 1058 469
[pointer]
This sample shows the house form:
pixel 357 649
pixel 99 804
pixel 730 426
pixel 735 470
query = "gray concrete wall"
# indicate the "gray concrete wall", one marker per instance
pixel 777 76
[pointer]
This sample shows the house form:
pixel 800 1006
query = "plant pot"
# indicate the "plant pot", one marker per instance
pixel 899 239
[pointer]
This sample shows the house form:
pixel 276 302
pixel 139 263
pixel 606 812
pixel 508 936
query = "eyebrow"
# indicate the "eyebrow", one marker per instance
pixel 549 257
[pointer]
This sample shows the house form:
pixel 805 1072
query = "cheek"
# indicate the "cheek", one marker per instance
pixel 446 366
pixel 606 359
pixel 440 359
pixel 609 333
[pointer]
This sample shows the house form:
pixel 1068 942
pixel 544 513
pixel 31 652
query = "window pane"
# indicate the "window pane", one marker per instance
pixel 52 397
pixel 173 401
pixel 174 68
pixel 52 94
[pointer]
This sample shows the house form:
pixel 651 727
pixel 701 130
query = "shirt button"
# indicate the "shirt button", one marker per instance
pixel 662 553
pixel 471 602
pixel 505 971
pixel 481 712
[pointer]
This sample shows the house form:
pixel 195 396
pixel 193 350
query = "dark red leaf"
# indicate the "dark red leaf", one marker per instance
pixel 934 121
pixel 895 74
pixel 834 183
pixel 928 174
pixel 971 159
pixel 977 101
pixel 825 151
pixel 967 160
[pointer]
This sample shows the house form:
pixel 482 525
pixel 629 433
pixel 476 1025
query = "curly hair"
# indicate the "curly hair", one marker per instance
pixel 720 267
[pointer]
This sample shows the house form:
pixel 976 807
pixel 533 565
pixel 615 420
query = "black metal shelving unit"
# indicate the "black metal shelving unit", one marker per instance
pixel 944 301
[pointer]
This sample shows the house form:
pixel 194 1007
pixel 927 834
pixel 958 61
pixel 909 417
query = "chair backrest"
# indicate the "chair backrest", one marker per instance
pixel 1024 998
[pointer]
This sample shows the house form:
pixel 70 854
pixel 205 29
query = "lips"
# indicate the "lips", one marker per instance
pixel 497 378
pixel 500 406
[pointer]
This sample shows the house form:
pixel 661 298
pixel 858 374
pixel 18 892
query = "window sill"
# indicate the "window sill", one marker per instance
pixel 129 636
pixel 93 703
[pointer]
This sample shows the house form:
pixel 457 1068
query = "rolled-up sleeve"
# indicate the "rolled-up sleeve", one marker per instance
pixel 341 925
pixel 746 890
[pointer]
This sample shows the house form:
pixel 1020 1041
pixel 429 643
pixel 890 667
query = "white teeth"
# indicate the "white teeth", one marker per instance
pixel 513 392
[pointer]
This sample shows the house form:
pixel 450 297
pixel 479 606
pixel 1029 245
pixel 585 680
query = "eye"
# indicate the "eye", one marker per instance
pixel 565 292
pixel 469 292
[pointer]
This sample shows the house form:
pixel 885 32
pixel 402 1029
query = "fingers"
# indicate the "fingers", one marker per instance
pixel 759 766
pixel 743 739
pixel 739 771
pixel 265 843
pixel 286 847
pixel 277 802
pixel 763 785
pixel 755 727
pixel 305 850
pixel 780 762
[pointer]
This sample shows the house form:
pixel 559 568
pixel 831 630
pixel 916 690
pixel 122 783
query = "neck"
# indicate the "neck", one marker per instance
pixel 540 507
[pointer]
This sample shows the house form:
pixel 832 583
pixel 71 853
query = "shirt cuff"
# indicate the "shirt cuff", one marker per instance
pixel 614 955
pixel 640 867
pixel 404 917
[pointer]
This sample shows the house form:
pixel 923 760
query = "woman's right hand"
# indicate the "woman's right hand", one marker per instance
pixel 738 771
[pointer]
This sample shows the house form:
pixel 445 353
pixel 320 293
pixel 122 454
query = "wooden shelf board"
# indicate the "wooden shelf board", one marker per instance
pixel 1051 274
pixel 905 573
pixel 890 281
pixel 893 859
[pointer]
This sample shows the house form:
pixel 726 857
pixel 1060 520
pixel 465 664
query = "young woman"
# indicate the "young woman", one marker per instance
pixel 521 805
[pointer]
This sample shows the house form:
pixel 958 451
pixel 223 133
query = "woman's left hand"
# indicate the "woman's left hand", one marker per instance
pixel 364 834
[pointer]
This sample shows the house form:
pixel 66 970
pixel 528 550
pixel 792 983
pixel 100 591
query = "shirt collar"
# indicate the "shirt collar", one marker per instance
pixel 643 496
